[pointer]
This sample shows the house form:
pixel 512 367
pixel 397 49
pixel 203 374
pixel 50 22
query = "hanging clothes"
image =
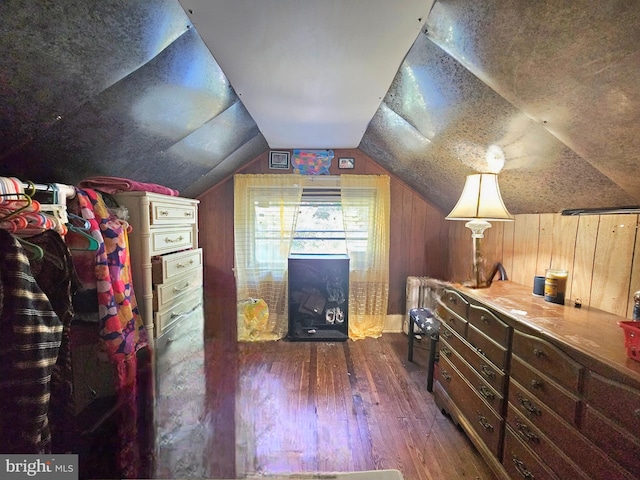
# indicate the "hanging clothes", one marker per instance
pixel 121 329
pixel 30 338
pixel 57 281
pixel 120 326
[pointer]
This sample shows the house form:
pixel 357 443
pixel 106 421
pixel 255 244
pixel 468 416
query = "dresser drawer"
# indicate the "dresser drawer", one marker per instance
pixel 455 302
pixel 490 324
pixel 165 212
pixel 562 401
pixel 544 448
pixel 170 240
pixel 580 450
pixel 487 347
pixel 487 424
pixel 484 389
pixel 452 319
pixel 487 370
pixel 180 378
pixel 186 305
pixel 549 359
pixel 166 295
pixel 616 443
pixel 180 340
pixel 174 265
pixel 617 401
pixel 520 462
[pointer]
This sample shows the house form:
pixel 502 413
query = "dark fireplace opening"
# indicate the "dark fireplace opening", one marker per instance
pixel 318 297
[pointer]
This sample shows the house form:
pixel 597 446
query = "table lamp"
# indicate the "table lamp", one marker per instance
pixel 480 203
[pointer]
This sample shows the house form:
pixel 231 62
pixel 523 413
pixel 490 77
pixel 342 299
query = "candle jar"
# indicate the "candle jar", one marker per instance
pixel 555 284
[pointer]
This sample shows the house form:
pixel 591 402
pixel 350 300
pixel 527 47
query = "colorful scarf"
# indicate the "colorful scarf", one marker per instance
pixel 121 329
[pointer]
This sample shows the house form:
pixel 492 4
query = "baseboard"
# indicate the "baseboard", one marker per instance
pixel 393 324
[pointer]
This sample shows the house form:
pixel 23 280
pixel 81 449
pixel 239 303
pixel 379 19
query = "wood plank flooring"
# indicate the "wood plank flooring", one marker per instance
pixel 284 407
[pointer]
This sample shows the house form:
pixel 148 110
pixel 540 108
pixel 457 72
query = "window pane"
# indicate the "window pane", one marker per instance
pixel 320 228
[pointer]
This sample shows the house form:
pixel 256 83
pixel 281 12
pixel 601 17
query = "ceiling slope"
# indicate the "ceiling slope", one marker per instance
pixel 129 88
pixel 555 85
pixel 311 73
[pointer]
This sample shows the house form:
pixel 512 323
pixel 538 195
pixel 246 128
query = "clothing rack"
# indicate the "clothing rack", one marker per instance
pixel 56 204
pixel 60 191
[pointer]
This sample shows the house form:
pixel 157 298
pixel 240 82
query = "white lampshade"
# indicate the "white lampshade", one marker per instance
pixel 480 199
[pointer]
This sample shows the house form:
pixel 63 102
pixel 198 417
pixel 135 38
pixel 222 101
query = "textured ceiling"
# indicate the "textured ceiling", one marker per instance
pixel 129 89
pixel 311 73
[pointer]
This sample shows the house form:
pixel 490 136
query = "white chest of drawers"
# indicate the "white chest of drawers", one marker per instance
pixel 165 258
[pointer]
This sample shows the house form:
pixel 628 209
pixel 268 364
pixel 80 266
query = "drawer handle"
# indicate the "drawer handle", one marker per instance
pixel 446 334
pixel 446 351
pixel 188 214
pixel 537 383
pixel 538 353
pixel 485 392
pixel 176 315
pixel 484 319
pixel 528 406
pixel 526 433
pixel 445 375
pixel 521 468
pixel 182 265
pixel 451 320
pixel 453 299
pixel 487 371
pixel 173 240
pixel 164 213
pixel 484 422
pixel 176 289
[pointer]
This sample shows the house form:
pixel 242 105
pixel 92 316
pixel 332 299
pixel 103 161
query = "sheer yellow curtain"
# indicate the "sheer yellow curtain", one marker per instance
pixel 265 211
pixel 366 205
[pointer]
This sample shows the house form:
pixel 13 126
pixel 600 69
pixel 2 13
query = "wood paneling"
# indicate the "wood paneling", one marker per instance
pixel 565 232
pixel 582 272
pixel 612 262
pixel 601 254
pixel 635 271
pixel 525 252
pixel 545 244
pixel 418 243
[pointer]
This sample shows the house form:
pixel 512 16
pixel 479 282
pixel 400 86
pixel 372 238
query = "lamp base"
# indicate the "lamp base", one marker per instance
pixel 477 228
pixel 471 284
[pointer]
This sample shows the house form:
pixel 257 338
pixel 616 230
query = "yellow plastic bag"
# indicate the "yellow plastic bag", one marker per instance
pixel 255 313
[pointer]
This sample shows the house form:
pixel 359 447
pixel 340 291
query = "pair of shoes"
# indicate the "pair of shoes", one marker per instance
pixel 330 315
pixel 334 315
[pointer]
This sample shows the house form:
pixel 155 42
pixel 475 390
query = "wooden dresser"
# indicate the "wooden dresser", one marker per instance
pixel 167 277
pixel 165 258
pixel 543 390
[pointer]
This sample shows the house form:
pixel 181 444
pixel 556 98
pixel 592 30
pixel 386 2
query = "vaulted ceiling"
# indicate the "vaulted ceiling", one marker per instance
pixel 185 93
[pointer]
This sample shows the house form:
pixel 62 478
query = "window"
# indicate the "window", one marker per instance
pixel 319 226
pixel 271 214
pixel 318 229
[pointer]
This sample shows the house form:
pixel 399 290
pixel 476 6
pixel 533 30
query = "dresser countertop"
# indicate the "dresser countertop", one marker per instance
pixel 591 332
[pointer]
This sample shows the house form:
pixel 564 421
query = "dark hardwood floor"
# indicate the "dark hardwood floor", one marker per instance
pixel 274 408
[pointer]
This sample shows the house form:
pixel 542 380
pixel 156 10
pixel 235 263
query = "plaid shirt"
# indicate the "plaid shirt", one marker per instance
pixel 30 336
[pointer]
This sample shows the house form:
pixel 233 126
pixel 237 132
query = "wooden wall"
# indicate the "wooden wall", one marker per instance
pixel 600 252
pixel 418 240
